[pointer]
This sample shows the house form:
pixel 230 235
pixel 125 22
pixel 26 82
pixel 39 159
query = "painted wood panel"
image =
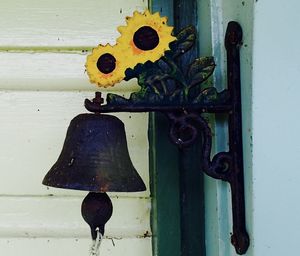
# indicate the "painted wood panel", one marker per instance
pixel 55 71
pixel 52 216
pixel 276 126
pixel 73 246
pixel 32 132
pixel 43 83
pixel 63 23
pixel 213 19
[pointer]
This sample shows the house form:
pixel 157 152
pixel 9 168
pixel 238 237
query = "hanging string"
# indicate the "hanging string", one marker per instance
pixel 95 247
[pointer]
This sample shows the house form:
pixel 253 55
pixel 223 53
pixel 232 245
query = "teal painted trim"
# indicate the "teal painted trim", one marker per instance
pixel 191 177
pixel 164 173
pixel 176 179
pixel 165 7
pixel 164 182
pixel 192 202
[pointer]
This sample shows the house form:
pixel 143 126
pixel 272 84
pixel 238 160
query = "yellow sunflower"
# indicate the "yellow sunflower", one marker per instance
pixel 146 37
pixel 106 65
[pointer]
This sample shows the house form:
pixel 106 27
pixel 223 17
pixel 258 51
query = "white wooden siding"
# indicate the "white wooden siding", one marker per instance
pixel 73 246
pixel 51 70
pixel 63 23
pixel 53 216
pixel 43 83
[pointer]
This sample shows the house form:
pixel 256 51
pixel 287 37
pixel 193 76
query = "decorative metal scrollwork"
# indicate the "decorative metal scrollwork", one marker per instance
pixel 179 94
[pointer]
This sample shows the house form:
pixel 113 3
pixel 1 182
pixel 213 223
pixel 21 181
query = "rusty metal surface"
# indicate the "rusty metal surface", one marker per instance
pixel 233 41
pixel 96 210
pixel 95 157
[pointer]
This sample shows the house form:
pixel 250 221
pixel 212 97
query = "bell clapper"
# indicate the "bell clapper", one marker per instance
pixel 96 210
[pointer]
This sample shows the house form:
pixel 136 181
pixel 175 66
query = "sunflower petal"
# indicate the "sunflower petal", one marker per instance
pixel 136 54
pixel 116 74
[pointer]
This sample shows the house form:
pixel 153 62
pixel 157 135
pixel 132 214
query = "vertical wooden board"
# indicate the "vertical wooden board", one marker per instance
pixel 190 166
pixel 32 132
pixel 63 23
pixel 213 18
pixel 179 174
pixel 164 189
pixel 164 173
pixel 73 246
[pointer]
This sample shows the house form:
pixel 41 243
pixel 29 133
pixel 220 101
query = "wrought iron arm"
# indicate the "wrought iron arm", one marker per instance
pixel 183 100
pixel 233 40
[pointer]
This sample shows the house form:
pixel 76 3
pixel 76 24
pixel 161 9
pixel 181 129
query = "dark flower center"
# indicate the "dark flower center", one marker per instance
pixel 106 63
pixel 146 38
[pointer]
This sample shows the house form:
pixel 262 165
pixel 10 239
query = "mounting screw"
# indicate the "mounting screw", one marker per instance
pixel 98 98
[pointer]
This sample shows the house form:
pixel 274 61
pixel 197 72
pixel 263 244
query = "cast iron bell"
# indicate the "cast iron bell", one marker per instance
pixel 95 157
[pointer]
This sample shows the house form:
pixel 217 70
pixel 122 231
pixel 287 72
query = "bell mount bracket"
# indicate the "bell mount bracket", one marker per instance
pixel 179 94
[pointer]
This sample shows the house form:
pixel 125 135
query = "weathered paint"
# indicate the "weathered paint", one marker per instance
pixel 63 23
pixel 178 188
pixel 73 246
pixel 42 87
pixel 33 70
pixel 34 216
pixel 213 19
pixel 270 71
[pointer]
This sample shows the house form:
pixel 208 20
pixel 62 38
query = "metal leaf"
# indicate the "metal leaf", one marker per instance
pixel 185 40
pixel 200 70
pixel 114 99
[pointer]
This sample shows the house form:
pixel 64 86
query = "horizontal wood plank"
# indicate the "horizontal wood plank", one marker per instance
pixel 63 22
pixel 32 132
pixel 74 247
pixel 54 71
pixel 61 217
